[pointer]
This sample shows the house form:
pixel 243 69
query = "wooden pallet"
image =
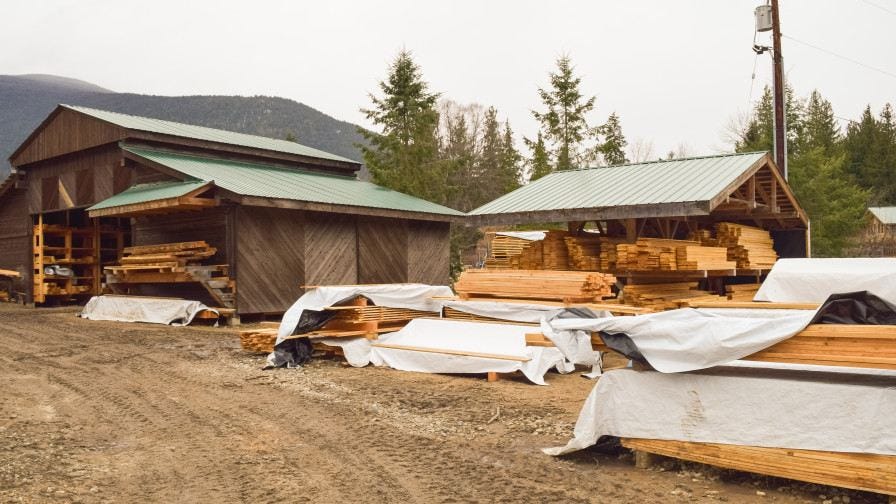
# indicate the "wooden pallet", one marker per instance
pixel 858 471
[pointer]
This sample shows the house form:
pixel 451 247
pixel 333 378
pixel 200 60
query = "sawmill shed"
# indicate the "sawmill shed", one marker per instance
pixel 276 215
pixel 661 199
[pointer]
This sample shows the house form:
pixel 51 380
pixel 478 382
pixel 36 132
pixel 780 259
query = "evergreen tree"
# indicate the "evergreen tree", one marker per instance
pixel 540 162
pixel 564 123
pixel 403 156
pixel 819 127
pixel 491 157
pixel 511 171
pixel 870 146
pixel 290 137
pixel 835 205
pixel 612 148
pixel 760 130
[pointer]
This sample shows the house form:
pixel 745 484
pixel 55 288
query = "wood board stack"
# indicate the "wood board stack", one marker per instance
pixel 258 340
pixel 665 296
pixel 696 257
pixel 609 253
pixel 741 292
pixel 547 254
pixel 862 346
pixel 583 252
pixel 165 256
pixel 565 286
pixel 502 248
pixel 750 247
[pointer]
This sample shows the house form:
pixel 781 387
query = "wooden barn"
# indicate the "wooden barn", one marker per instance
pixel 882 222
pixel 274 215
pixel 662 199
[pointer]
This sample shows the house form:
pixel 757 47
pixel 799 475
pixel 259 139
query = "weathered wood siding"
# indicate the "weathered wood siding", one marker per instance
pixel 331 249
pixel 270 258
pixel 209 225
pixel 76 180
pixel 429 253
pixel 67 132
pixel 382 250
pixel 15 237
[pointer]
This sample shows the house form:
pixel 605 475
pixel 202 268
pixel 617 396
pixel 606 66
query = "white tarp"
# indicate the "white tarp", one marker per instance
pixel 523 235
pixel 444 338
pixel 813 280
pixel 409 296
pixel 688 339
pixel 143 309
pixel 771 406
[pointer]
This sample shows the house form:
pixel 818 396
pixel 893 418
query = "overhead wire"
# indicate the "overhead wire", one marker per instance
pixel 881 7
pixel 846 58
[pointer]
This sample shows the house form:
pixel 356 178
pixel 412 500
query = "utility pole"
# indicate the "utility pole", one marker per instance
pixel 780 117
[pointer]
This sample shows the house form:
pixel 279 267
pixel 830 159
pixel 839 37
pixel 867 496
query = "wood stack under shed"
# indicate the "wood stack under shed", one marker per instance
pixel 564 286
pixel 547 254
pixel 503 248
pixel 583 252
pixel 750 247
pixel 665 296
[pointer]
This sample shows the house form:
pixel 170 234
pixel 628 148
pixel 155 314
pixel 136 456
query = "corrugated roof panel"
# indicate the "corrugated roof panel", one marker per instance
pixel 886 215
pixel 266 181
pixel 159 126
pixel 673 181
pixel 143 193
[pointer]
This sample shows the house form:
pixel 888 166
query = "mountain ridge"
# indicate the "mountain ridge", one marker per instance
pixel 26 100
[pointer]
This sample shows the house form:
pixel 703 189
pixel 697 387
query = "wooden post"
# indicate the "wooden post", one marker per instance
pixel 493 376
pixel 644 460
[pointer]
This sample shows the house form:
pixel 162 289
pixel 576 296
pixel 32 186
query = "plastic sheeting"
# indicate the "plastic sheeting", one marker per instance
pixel 813 280
pixel 179 312
pixel 443 338
pixel 524 235
pixel 687 339
pixel 778 406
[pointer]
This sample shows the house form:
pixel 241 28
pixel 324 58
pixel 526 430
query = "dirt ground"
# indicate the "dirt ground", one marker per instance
pixel 115 412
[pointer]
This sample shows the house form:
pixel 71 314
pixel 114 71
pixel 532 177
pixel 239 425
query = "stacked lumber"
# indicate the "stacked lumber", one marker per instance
pixel 503 248
pixel 451 313
pixel 751 247
pixel 362 314
pixel 566 286
pixel 583 252
pixel 696 257
pixel 649 254
pixel 258 340
pixel 665 296
pixel 741 292
pixel 859 471
pixel 704 236
pixel 609 254
pixel 166 256
pixel 862 346
pixel 547 254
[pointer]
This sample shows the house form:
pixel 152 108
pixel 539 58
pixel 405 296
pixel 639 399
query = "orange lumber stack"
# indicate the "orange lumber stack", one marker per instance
pixel 503 248
pixel 583 252
pixel 696 257
pixel 566 286
pixel 750 247
pixel 547 254
pixel 665 296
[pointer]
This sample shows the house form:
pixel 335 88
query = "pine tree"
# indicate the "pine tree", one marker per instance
pixel 540 162
pixel 564 123
pixel 290 137
pixel 760 131
pixel 612 148
pixel 511 172
pixel 819 127
pixel 403 156
pixel 870 146
pixel 491 157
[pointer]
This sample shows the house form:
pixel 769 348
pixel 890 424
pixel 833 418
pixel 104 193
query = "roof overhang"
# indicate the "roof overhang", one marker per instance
pixel 682 209
pixel 342 209
pixel 183 201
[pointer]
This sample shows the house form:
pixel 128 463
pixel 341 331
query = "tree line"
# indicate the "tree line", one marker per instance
pixel 835 175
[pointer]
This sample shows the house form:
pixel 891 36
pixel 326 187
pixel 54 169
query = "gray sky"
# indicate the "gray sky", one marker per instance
pixel 675 71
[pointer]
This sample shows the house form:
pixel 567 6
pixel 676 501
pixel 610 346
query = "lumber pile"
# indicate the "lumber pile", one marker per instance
pixel 658 254
pixel 503 248
pixel 665 296
pixel 859 471
pixel 372 313
pixel 695 257
pixel 583 252
pixel 547 254
pixel 258 340
pixel 750 247
pixel 609 254
pixel 863 346
pixel 451 313
pixel 565 286
pixel 163 256
pixel 741 292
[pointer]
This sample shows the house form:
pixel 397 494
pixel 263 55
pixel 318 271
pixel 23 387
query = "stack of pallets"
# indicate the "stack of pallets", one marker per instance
pixel 750 247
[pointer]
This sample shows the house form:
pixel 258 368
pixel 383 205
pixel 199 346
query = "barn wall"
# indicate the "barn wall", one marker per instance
pixel 68 132
pixel 270 258
pixel 429 254
pixel 382 250
pixel 76 180
pixel 15 237
pixel 331 249
pixel 209 225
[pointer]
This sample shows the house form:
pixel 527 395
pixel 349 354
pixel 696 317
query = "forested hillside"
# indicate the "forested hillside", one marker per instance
pixel 26 100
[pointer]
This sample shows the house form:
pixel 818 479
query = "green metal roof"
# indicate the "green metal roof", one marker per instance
pixel 142 193
pixel 267 181
pixel 159 126
pixel 886 215
pixel 658 182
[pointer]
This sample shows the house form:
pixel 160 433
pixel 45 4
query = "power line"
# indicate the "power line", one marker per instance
pixel 881 7
pixel 854 61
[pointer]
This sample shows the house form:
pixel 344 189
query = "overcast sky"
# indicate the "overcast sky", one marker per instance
pixel 675 71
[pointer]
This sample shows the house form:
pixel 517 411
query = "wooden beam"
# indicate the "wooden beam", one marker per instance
pixel 452 352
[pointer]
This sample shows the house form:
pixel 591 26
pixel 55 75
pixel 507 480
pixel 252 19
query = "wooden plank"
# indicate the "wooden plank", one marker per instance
pixel 452 352
pixel 752 305
pixel 858 471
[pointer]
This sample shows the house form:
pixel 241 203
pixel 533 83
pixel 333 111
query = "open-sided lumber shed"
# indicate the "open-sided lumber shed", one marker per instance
pixel 278 214
pixel 661 199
